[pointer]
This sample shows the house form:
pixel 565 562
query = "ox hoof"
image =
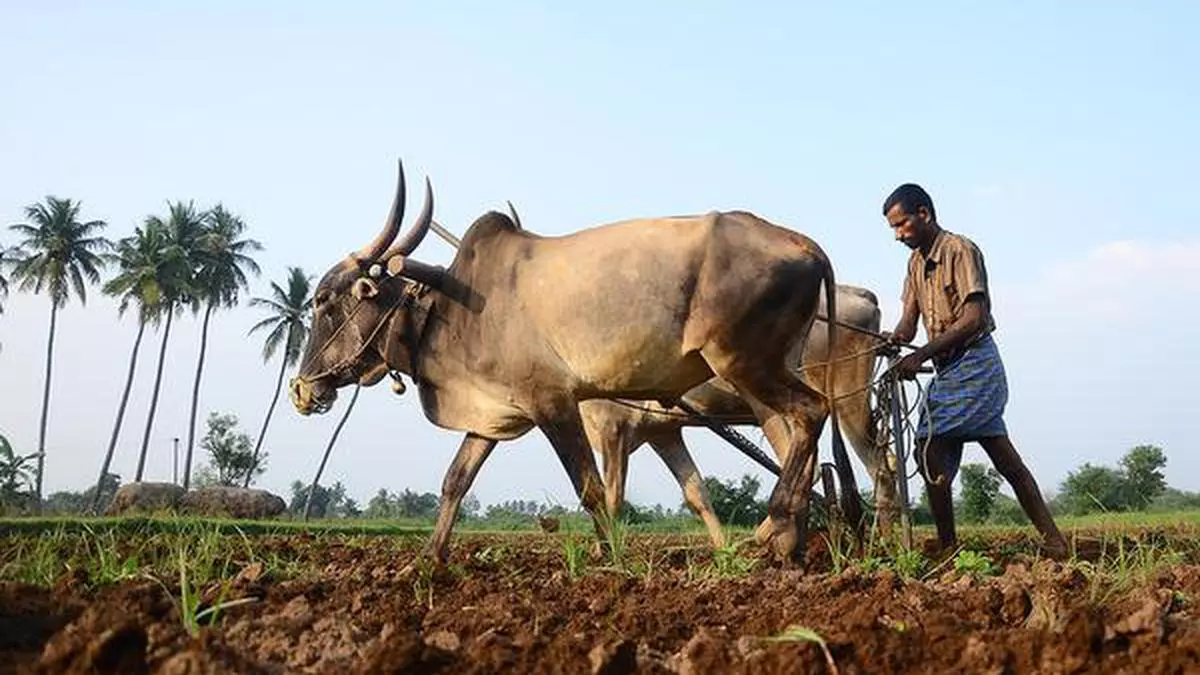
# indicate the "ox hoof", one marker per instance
pixel 428 564
pixel 762 533
pixel 718 540
pixel 600 551
pixel 784 541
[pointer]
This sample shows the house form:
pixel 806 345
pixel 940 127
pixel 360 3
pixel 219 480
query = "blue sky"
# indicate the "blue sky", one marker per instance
pixel 1062 141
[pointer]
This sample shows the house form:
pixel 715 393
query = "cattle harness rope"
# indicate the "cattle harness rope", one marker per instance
pixel 347 364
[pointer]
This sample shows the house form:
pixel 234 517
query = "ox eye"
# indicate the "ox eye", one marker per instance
pixel 322 298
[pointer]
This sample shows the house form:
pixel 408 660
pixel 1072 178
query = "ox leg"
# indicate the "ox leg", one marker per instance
pixel 674 454
pixel 564 429
pixel 614 438
pixel 791 415
pixel 855 418
pixel 789 502
pixel 763 533
pixel 614 453
pixel 471 454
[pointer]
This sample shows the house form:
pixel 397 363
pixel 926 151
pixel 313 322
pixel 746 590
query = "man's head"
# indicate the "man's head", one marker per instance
pixel 910 213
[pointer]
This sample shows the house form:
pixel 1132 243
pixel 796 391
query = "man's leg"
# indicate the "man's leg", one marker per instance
pixel 939 464
pixel 1006 460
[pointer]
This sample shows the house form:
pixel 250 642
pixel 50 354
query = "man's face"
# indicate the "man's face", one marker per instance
pixel 910 228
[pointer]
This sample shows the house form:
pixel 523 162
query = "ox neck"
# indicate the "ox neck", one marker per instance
pixel 406 330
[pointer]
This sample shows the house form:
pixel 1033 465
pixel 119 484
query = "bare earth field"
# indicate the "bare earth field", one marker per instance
pixel 127 601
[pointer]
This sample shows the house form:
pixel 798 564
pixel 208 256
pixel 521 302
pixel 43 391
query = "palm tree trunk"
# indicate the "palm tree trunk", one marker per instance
pixel 41 465
pixel 329 448
pixel 187 462
pixel 162 353
pixel 112 441
pixel 270 410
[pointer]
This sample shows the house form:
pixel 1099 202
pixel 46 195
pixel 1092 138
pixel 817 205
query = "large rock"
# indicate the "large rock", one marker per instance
pixel 232 502
pixel 146 497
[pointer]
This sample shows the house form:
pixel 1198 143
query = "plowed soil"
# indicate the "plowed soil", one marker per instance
pixel 507 604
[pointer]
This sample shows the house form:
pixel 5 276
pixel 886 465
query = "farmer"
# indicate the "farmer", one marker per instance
pixel 946 285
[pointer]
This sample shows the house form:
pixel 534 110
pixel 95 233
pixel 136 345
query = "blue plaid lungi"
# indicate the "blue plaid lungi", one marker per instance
pixel 966 397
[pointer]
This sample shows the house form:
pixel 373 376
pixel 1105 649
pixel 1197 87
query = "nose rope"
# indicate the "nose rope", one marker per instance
pixel 346 363
pixel 329 341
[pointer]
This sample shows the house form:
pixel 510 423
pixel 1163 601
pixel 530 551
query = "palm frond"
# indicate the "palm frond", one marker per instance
pixel 288 315
pixel 297 336
pixel 59 253
pixel 78 283
pixel 275 337
pixel 265 323
pixel 266 303
pixel 281 296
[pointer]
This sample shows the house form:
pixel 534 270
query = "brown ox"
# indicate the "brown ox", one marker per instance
pixel 616 429
pixel 521 328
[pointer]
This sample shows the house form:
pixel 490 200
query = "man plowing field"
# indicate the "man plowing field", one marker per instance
pixel 946 285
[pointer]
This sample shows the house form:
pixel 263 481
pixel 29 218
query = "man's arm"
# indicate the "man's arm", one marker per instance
pixel 967 326
pixel 906 327
pixel 971 321
pixel 970 281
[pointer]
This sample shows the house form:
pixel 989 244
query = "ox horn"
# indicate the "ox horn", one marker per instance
pixel 516 219
pixel 409 243
pixel 391 228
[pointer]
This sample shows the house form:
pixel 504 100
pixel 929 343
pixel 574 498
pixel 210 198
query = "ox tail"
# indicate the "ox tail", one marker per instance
pixel 851 504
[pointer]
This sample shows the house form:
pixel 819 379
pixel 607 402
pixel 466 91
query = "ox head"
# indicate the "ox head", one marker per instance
pixel 362 309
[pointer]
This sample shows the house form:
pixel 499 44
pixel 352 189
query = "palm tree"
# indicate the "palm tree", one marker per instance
pixel 184 227
pixel 59 254
pixel 149 266
pixel 6 258
pixel 289 326
pixel 221 259
pixel 13 477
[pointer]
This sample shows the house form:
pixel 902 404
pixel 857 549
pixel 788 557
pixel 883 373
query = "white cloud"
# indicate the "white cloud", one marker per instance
pixel 1099 352
pixel 1119 280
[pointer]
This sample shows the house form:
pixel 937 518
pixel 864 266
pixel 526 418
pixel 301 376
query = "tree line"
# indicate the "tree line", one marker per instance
pixel 1136 483
pixel 187 260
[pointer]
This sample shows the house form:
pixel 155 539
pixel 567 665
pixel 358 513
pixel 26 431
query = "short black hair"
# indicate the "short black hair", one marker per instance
pixel 910 197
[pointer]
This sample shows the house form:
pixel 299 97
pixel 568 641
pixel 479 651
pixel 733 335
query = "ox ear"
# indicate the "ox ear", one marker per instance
pixel 364 289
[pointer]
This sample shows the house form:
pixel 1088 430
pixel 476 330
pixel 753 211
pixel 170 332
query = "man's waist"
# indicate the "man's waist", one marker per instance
pixel 947 357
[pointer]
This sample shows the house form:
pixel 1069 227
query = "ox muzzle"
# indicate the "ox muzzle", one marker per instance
pixel 311 396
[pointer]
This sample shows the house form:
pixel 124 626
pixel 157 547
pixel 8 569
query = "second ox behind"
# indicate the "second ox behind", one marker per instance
pixel 521 328
pixel 617 428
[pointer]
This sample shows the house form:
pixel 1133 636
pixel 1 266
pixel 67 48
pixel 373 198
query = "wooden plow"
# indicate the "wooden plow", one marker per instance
pixel 891 405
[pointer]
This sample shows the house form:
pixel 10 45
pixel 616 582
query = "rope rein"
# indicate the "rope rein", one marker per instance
pixel 880 412
pixel 348 362
pixel 670 412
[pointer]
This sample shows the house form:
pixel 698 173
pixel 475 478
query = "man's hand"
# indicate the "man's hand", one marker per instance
pixel 896 337
pixel 891 343
pixel 907 367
